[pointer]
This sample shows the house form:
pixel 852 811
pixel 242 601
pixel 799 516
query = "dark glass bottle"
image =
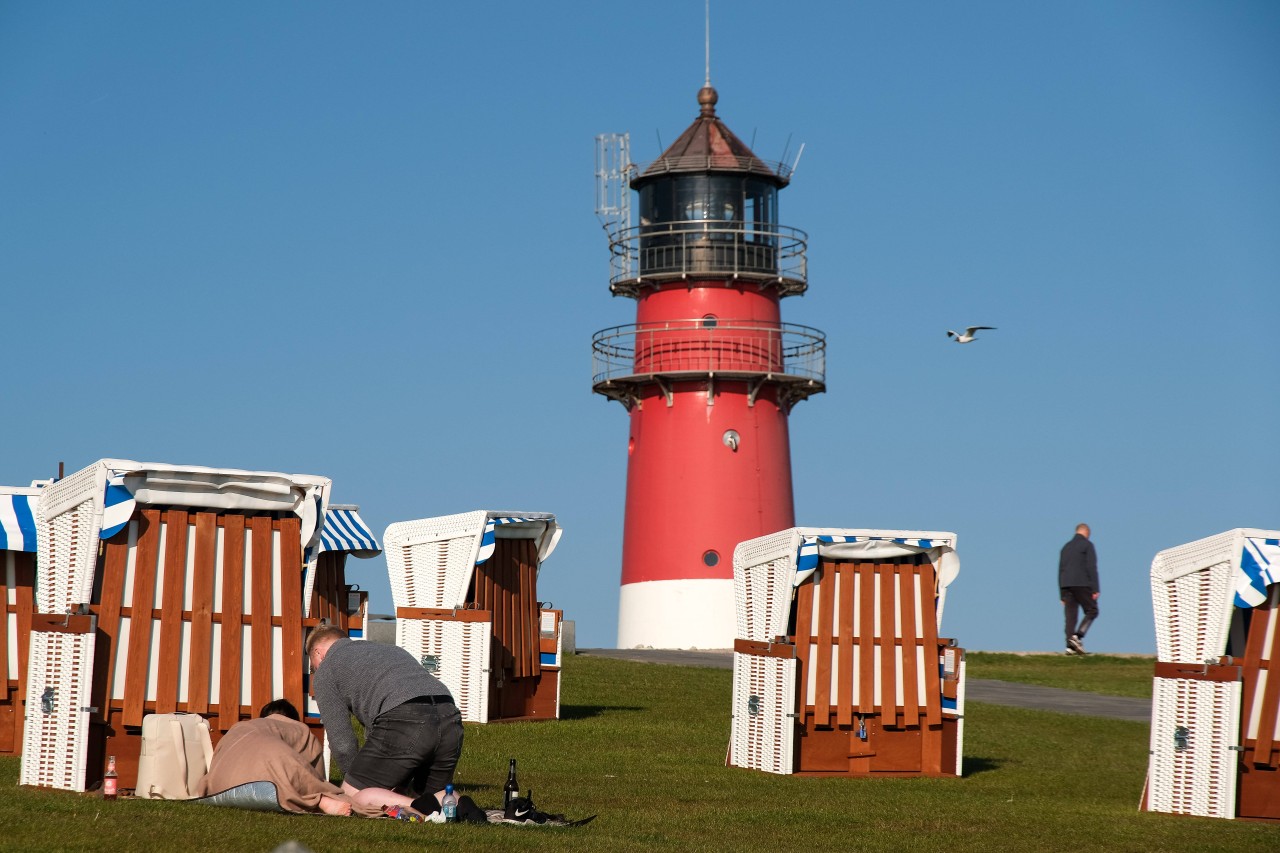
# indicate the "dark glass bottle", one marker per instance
pixel 511 790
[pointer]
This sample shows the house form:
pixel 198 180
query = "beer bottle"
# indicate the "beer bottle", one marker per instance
pixel 511 790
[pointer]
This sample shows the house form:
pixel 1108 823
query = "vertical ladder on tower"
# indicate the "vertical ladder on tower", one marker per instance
pixel 613 195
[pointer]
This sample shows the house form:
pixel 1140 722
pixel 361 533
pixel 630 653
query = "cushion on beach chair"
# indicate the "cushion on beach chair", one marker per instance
pixel 255 796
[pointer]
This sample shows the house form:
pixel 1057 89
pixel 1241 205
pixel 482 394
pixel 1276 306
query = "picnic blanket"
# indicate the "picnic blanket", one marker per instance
pixel 281 751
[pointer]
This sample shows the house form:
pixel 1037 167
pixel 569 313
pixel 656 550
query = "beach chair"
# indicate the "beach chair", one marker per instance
pixel 165 588
pixel 465 589
pixel 838 666
pixel 1215 714
pixel 18 507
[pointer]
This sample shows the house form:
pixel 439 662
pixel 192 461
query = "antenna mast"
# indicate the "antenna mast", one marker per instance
pixel 708 42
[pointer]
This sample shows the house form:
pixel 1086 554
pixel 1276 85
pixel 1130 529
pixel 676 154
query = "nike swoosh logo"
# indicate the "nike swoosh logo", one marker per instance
pixel 523 813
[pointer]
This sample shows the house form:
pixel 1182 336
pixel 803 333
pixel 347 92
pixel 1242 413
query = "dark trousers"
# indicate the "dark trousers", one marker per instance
pixel 1074 598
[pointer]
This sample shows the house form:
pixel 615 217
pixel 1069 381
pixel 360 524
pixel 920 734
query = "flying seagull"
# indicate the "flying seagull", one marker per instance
pixel 968 335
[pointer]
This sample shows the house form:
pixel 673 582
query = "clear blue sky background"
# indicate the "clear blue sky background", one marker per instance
pixel 358 240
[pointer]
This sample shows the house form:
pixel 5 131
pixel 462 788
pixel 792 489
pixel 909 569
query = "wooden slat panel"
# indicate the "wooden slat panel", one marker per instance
pixel 1264 750
pixel 24 581
pixel 532 620
pixel 232 644
pixel 6 558
pixel 763 649
pixel 505 592
pixel 844 656
pixel 929 621
pixel 113 564
pixel 510 576
pixel 533 614
pixel 1259 630
pixel 199 675
pixel 291 608
pixel 910 646
pixel 171 607
pixel 826 632
pixel 888 646
pixel 445 614
pixel 137 665
pixel 804 642
pixel 261 658
pixel 866 639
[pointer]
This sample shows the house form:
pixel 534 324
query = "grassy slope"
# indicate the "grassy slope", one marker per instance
pixel 1113 676
pixel 644 746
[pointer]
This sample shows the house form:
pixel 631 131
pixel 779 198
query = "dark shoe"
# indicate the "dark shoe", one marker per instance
pixel 469 812
pixel 522 810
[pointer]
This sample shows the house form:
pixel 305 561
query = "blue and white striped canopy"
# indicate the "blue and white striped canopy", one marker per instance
pixel 487 541
pixel 345 530
pixel 18 522
pixel 807 557
pixel 1259 567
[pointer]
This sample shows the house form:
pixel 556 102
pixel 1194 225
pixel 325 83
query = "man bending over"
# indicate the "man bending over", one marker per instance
pixel 413 729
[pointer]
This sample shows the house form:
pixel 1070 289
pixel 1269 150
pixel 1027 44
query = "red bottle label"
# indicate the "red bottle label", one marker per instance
pixel 109 787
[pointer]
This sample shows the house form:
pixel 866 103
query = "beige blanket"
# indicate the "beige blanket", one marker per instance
pixel 278 750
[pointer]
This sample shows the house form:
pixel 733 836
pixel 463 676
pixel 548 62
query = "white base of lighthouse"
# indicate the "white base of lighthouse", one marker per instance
pixel 678 614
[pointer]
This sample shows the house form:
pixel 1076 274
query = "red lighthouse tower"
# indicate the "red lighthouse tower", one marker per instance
pixel 708 373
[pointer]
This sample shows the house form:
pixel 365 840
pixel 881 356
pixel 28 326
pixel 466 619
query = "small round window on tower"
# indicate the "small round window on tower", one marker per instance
pixel 711 558
pixel 710 321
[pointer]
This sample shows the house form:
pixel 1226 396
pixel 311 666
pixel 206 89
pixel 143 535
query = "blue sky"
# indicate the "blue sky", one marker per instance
pixel 358 240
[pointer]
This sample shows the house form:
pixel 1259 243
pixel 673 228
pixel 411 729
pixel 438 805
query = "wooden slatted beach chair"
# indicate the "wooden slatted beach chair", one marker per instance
pixel 18 507
pixel 466 596
pixel 838 666
pixel 1215 718
pixel 176 589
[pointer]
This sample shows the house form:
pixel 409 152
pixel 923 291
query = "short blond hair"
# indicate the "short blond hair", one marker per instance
pixel 323 633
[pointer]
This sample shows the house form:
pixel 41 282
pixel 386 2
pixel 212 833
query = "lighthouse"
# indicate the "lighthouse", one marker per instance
pixel 708 373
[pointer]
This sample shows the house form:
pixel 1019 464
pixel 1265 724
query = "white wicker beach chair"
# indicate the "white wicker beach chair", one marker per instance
pixel 838 633
pixel 431 564
pixel 1215 717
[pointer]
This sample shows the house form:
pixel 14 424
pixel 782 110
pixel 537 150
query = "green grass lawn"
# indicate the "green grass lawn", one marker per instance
pixel 643 746
pixel 1106 674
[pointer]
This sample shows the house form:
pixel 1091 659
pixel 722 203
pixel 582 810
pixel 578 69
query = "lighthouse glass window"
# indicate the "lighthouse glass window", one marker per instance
pixel 718 205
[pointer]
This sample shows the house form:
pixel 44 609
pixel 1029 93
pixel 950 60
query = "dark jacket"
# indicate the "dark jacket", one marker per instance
pixel 1078 564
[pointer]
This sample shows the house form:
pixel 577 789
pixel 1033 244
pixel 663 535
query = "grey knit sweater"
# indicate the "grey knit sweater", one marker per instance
pixel 364 679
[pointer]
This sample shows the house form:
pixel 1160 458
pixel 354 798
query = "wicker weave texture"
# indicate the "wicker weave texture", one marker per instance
pixel 54 743
pixel 763 571
pixel 762 598
pixel 763 728
pixel 457 653
pixel 1194 727
pixel 430 561
pixel 68 546
pixel 1191 597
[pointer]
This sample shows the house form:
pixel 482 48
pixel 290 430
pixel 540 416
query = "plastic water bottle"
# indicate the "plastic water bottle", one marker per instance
pixel 449 805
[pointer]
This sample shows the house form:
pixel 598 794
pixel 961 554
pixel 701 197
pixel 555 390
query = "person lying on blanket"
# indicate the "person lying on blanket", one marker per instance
pixel 278 748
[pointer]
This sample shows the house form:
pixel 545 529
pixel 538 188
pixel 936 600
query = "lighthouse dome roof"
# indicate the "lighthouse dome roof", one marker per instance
pixel 708 145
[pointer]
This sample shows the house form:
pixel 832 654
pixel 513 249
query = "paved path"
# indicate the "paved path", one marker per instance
pixel 979 690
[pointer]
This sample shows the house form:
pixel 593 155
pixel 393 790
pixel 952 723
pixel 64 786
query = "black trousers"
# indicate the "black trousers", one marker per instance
pixel 1073 599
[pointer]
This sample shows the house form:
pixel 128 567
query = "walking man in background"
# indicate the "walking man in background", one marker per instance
pixel 1078 582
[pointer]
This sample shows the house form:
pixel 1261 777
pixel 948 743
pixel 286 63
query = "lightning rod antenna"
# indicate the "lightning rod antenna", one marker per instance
pixel 708 42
